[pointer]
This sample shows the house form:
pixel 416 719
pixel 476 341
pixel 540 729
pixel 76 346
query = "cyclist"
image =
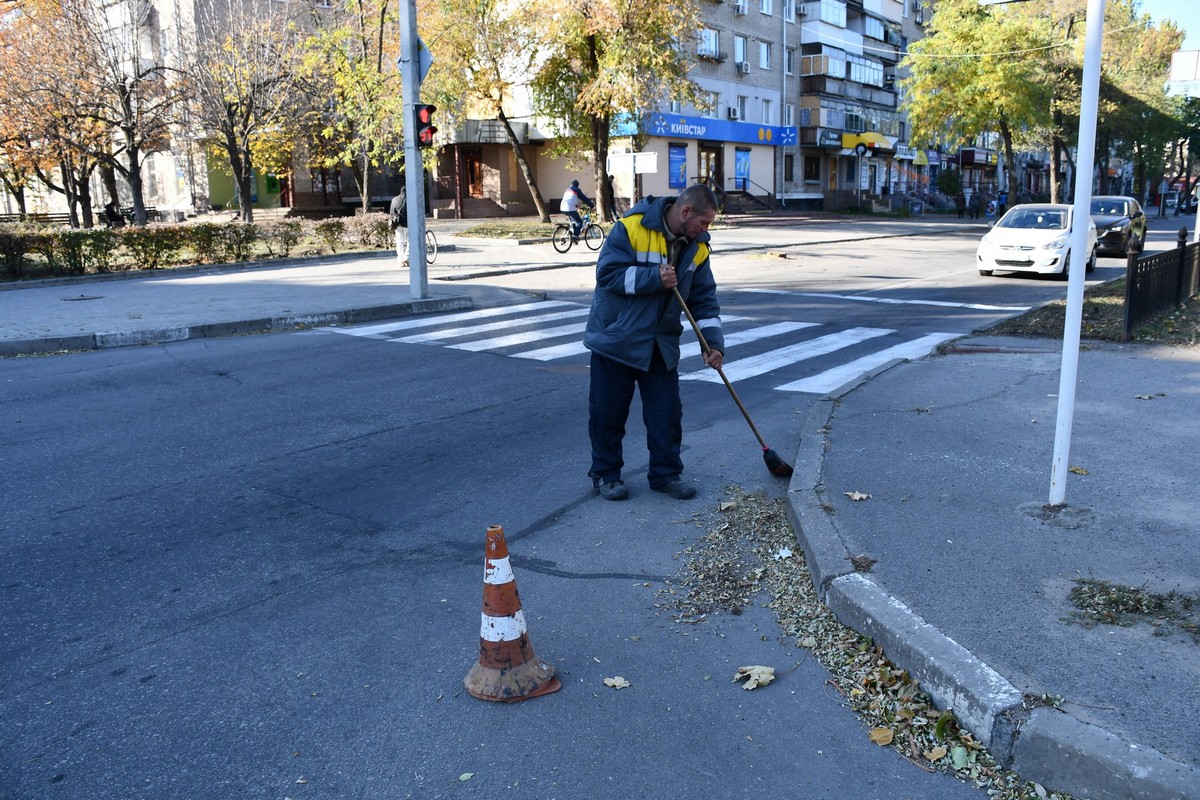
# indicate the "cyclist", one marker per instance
pixel 571 199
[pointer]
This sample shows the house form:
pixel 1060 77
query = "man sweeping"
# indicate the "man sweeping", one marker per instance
pixel 633 332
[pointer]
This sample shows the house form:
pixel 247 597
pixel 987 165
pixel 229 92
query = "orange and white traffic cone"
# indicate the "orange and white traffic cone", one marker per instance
pixel 507 669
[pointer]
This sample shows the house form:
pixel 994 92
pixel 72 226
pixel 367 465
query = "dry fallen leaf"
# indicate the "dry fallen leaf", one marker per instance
pixel 857 496
pixel 466 776
pixel 1143 397
pixel 1078 470
pixel 936 753
pixel 881 736
pixel 726 505
pixel 755 676
pixel 617 682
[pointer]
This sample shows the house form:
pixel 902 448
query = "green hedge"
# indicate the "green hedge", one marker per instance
pixel 75 252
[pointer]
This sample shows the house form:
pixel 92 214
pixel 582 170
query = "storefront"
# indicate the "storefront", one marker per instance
pixel 728 155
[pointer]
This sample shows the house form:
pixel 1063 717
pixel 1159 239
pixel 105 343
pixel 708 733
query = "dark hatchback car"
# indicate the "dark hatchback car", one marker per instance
pixel 1119 222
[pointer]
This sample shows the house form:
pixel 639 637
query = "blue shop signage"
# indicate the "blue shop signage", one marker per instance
pixel 676 125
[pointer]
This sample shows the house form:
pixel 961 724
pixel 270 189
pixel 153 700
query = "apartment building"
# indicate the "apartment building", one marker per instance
pixel 802 105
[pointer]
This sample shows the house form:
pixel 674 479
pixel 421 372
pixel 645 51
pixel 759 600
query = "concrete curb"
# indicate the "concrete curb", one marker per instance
pixel 1046 745
pixel 101 341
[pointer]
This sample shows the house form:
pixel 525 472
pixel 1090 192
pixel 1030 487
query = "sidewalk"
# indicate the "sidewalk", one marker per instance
pixel 969 589
pixel 970 586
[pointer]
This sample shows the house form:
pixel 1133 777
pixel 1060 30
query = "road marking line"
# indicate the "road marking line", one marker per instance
pixel 431 320
pixel 784 356
pixel 471 330
pixel 890 301
pixel 515 339
pixel 750 335
pixel 831 379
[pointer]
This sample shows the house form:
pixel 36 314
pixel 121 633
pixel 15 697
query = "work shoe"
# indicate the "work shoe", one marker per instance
pixel 613 490
pixel 677 489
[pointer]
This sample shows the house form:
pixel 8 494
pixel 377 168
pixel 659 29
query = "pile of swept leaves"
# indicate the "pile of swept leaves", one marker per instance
pixel 1104 602
pixel 750 554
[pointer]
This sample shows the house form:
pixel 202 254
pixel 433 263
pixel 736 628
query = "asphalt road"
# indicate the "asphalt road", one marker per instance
pixel 250 567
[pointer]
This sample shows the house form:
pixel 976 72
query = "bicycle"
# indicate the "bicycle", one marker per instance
pixel 431 247
pixel 593 234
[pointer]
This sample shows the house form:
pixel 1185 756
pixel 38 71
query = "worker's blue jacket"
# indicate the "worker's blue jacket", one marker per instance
pixel 631 311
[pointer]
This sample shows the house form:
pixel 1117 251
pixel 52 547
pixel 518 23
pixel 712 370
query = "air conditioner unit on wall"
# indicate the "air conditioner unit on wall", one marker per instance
pixel 733 113
pixel 743 67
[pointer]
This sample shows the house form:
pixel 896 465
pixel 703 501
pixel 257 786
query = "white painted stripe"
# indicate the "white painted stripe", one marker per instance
pixel 497 571
pixel 557 351
pixel 427 321
pixel 751 335
pixel 517 339
pixel 630 280
pixel 487 327
pixel 890 301
pixel 502 629
pixel 839 376
pixel 784 356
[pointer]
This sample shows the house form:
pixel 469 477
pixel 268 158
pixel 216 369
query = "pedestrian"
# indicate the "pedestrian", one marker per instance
pixel 633 333
pixel 613 216
pixel 976 205
pixel 571 200
pixel 960 203
pixel 112 215
pixel 1001 203
pixel 398 216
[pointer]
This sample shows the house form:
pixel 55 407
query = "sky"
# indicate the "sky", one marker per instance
pixel 1184 13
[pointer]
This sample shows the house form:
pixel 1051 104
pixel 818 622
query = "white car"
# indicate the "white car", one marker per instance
pixel 1034 237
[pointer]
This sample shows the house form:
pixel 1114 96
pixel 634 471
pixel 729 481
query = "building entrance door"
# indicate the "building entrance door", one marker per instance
pixel 712 166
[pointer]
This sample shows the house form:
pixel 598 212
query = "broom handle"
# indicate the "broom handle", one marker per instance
pixel 704 346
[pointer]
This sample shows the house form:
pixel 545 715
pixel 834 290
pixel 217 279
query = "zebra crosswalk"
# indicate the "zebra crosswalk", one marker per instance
pixel 552 330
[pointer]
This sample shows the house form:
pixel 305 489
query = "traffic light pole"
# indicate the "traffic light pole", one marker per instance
pixel 414 171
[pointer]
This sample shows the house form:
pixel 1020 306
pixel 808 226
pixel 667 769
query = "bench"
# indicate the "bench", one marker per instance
pixel 38 217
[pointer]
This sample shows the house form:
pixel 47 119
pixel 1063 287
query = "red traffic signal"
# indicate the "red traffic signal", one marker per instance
pixel 423 124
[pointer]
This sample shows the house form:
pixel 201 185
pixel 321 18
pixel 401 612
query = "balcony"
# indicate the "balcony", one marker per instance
pixel 849 90
pixel 714 56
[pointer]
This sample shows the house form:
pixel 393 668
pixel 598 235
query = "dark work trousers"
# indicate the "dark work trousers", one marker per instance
pixel 662 411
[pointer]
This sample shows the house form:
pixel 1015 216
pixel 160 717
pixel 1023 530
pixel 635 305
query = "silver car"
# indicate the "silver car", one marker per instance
pixel 1034 237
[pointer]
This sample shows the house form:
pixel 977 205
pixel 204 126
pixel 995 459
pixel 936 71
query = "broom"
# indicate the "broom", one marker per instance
pixel 775 464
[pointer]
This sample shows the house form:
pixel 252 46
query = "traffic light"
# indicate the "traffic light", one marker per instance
pixel 424 127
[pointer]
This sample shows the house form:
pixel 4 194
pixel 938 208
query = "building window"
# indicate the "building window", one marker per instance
pixel 864 71
pixel 741 106
pixel 789 10
pixel 765 7
pixel 852 171
pixel 789 114
pixel 676 107
pixel 739 49
pixel 766 112
pixel 831 11
pixel 812 169
pixel 710 43
pixel 789 61
pixel 764 55
pixel 789 167
pixel 873 28
pixel 832 64
pixel 853 122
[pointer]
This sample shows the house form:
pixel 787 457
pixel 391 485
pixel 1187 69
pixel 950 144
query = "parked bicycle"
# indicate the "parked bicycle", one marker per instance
pixel 593 234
